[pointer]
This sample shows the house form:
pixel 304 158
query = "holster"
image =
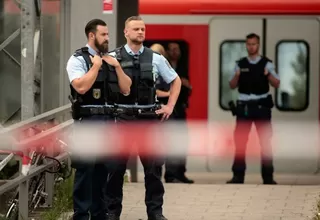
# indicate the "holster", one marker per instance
pixel 75 108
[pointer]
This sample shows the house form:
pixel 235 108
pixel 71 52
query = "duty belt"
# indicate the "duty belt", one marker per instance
pixel 114 110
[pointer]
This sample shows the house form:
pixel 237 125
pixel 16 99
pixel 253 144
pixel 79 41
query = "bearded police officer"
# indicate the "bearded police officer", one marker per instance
pixel 88 68
pixel 143 66
pixel 252 76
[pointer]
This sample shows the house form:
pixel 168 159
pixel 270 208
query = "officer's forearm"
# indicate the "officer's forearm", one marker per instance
pixel 274 81
pixel 123 80
pixel 84 83
pixel 161 93
pixel 234 82
pixel 174 91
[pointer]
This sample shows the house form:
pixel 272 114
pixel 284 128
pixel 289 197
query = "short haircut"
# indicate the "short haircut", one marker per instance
pixel 132 18
pixel 92 26
pixel 253 35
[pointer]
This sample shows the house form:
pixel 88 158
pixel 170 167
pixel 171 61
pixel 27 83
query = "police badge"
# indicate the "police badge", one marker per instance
pixel 96 93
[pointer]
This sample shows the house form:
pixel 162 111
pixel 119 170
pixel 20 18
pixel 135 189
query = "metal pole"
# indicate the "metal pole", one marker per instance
pixel 38 58
pixel 30 44
pixel 27 59
pixel 127 9
pixel 65 23
pixel 1 29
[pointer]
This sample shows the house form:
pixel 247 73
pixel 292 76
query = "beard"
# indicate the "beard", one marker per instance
pixel 103 48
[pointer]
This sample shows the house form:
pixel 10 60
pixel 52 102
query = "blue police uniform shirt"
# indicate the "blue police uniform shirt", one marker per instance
pixel 161 66
pixel 76 66
pixel 269 66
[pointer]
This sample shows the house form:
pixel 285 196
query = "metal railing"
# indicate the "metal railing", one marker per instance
pixel 63 117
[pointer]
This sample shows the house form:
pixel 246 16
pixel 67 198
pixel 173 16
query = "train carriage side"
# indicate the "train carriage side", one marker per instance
pixel 215 34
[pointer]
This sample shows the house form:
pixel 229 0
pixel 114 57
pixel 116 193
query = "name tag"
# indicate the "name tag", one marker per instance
pixel 244 70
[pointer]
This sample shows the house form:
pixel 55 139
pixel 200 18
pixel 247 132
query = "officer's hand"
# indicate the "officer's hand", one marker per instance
pixel 266 72
pixel 111 60
pixel 96 60
pixel 166 110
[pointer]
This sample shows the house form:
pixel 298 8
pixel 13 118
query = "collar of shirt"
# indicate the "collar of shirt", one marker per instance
pixel 91 51
pixel 129 51
pixel 256 60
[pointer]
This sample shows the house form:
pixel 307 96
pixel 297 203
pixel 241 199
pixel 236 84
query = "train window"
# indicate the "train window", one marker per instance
pixel 292 63
pixel 230 52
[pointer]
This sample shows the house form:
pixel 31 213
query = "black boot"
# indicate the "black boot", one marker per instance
pixel 236 179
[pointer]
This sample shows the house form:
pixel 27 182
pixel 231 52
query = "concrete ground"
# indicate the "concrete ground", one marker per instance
pixel 294 198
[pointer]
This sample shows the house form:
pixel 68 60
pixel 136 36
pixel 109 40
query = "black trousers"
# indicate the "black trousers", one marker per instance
pixel 153 184
pixel 261 118
pixel 176 166
pixel 89 181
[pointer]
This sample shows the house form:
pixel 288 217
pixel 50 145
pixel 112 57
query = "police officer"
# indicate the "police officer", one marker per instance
pixel 87 71
pixel 141 63
pixel 252 76
pixel 176 167
pixel 162 88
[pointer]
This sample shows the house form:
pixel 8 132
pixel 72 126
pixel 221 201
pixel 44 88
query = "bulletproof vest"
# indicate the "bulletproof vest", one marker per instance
pixel 139 69
pixel 96 94
pixel 252 79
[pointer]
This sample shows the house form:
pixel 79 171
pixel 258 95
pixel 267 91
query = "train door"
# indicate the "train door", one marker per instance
pixel 293 45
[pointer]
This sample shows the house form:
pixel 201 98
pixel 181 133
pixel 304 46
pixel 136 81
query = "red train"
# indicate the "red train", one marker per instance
pixel 211 33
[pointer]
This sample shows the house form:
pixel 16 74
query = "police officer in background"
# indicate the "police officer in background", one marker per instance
pixel 176 167
pixel 252 76
pixel 140 63
pixel 88 68
pixel 162 88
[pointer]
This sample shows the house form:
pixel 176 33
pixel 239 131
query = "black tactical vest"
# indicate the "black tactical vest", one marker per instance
pixel 252 79
pixel 96 94
pixel 139 69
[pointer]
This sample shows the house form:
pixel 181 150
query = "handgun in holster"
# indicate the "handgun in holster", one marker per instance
pixel 75 108
pixel 233 108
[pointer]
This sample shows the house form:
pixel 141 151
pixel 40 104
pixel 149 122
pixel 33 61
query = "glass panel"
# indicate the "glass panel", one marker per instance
pixel 293 69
